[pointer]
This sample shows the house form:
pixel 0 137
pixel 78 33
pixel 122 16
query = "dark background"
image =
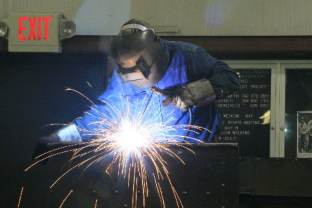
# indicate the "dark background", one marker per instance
pixel 32 96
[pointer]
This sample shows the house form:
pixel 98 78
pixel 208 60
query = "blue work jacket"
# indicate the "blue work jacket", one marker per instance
pixel 187 63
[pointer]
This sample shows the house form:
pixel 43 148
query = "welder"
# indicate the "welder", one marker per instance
pixel 182 77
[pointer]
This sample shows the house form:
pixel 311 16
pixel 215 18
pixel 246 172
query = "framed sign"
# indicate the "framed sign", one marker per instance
pixel 243 113
pixel 304 134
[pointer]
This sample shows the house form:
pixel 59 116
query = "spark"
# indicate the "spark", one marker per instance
pixel 65 198
pixel 131 141
pixel 89 84
pixel 20 197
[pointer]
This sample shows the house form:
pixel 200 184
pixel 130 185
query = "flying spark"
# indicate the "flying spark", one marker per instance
pixel 65 198
pixel 132 139
pixel 20 197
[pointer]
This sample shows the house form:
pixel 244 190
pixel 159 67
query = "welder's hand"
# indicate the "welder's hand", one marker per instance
pixel 172 97
pixel 178 102
pixel 195 93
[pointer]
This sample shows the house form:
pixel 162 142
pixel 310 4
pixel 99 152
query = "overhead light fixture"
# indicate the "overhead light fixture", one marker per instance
pixel 67 28
pixel 3 29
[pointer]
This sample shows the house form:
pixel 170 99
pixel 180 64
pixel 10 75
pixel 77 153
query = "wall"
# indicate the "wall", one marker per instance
pixel 228 17
pixel 200 17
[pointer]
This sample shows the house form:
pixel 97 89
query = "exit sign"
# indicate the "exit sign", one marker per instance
pixel 34 32
pixel 34 28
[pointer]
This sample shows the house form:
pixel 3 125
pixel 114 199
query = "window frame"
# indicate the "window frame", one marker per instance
pixel 284 66
pixel 278 95
pixel 275 144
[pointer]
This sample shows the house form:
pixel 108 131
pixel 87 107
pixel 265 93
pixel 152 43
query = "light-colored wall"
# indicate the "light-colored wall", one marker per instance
pixel 92 17
pixel 3 8
pixel 228 17
pixel 102 17
pixel 68 7
pixel 191 17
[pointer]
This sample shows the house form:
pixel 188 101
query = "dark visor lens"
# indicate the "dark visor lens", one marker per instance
pixel 122 70
pixel 141 66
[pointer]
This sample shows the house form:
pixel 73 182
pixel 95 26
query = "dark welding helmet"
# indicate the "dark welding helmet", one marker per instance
pixel 138 44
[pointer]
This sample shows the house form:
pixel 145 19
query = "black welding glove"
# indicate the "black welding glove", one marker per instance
pixel 195 93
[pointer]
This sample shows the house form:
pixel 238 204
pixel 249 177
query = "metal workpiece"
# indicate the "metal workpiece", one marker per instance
pixel 209 178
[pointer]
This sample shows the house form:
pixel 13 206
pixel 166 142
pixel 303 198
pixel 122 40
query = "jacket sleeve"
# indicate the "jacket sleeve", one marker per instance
pixel 97 118
pixel 223 80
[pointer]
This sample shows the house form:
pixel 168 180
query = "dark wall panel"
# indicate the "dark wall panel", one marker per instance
pixel 32 97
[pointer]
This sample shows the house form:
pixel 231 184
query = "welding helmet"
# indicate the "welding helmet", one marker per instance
pixel 138 54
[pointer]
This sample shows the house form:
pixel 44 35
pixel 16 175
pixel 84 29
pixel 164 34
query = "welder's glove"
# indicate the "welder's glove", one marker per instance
pixel 195 93
pixel 177 101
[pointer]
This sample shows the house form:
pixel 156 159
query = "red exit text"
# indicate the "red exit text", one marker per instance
pixel 34 28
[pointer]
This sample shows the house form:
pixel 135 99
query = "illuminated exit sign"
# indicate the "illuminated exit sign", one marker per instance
pixel 34 32
pixel 34 28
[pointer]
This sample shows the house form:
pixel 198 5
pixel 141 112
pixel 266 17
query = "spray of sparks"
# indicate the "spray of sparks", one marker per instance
pixel 132 144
